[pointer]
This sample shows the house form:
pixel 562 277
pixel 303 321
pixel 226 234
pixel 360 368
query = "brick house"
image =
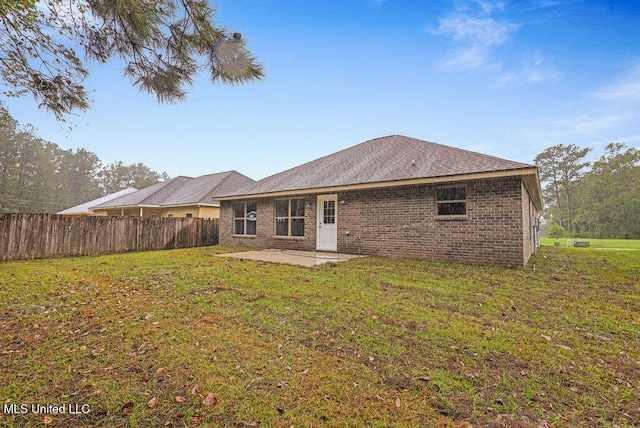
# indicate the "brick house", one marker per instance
pixel 397 197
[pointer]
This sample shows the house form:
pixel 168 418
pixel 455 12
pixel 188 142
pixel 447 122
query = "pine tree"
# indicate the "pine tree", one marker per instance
pixel 163 45
pixel 562 167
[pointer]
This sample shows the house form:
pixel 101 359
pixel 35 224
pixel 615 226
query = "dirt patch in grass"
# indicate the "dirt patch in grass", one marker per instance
pixel 182 338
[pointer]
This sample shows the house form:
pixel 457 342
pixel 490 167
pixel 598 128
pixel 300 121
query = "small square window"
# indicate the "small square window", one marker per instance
pixel 451 201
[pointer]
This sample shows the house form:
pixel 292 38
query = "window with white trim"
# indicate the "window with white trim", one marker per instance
pixel 245 215
pixel 451 201
pixel 290 217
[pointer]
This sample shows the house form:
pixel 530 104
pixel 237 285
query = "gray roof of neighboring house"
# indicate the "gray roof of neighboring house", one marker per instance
pixel 181 190
pixel 86 207
pixel 386 159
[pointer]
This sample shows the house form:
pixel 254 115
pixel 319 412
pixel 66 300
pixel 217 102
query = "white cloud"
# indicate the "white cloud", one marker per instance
pixel 586 129
pixel 600 116
pixel 477 28
pixel 589 125
pixel 627 88
pixel 474 35
pixel 477 31
pixel 466 58
pixel 489 6
pixel 535 69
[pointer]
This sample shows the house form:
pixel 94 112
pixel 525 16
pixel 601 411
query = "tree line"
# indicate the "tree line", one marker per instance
pixel 37 176
pixel 599 199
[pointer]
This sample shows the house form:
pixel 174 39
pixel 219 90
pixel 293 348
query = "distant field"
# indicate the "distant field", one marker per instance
pixel 598 243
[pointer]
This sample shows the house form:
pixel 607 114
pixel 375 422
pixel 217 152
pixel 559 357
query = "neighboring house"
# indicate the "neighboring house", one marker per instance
pixel 178 197
pixel 393 196
pixel 85 209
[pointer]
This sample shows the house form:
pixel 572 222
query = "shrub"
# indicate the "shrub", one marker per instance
pixel 557 231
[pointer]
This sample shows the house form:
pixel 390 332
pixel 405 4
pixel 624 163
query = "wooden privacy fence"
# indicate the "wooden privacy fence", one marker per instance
pixel 29 236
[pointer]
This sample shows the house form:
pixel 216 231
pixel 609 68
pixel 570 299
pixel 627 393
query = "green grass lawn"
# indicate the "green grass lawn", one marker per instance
pixel 597 243
pixel 182 338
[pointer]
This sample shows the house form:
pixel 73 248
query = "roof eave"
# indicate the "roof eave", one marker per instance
pixel 191 204
pixel 532 182
pixel 382 184
pixel 118 207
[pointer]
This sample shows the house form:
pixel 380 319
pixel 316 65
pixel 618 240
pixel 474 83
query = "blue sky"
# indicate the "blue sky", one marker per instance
pixel 505 78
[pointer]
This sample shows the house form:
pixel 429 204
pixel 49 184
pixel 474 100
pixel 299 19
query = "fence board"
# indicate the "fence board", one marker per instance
pixel 30 236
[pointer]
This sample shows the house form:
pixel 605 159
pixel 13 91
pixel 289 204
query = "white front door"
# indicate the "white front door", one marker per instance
pixel 327 233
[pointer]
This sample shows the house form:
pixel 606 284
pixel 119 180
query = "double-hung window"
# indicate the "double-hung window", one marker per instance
pixel 245 215
pixel 290 217
pixel 451 201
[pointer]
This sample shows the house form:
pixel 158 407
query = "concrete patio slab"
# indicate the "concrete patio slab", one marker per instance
pixel 292 257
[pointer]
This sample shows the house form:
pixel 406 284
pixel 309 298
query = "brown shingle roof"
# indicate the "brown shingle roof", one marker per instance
pixel 181 190
pixel 386 159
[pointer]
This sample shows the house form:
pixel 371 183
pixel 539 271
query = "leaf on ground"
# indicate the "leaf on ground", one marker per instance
pixel 152 403
pixel 398 402
pixel 547 338
pixel 180 399
pixel 127 407
pixel 47 420
pixel 281 384
pixel 194 390
pixel 423 378
pixel 210 399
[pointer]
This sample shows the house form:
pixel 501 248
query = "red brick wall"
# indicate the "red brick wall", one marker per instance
pixel 402 222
